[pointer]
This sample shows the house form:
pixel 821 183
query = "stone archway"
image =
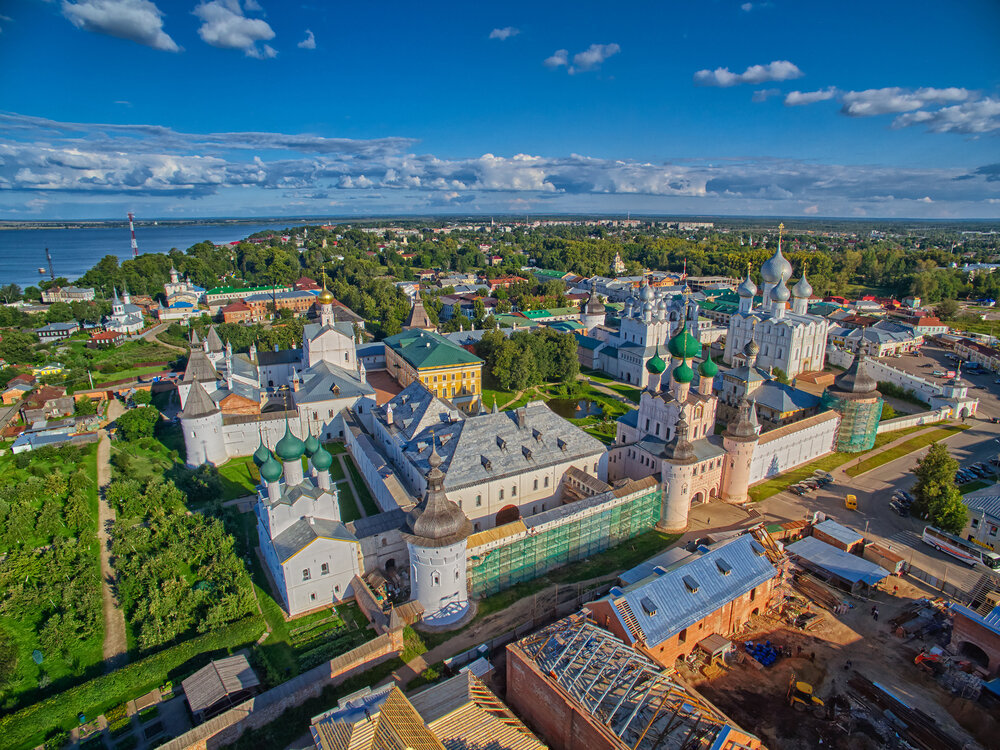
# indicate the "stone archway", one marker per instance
pixel 698 499
pixel 507 514
pixel 974 653
pixel 390 565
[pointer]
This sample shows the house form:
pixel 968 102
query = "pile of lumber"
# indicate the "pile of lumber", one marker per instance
pixel 816 591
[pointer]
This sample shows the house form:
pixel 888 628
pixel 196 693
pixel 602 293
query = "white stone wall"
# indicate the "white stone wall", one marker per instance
pixel 910 420
pixel 385 550
pixel 438 581
pixel 331 587
pixel 203 440
pixel 793 449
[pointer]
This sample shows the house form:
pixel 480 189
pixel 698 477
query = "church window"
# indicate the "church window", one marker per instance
pixel 336 589
pixel 657 428
pixel 347 357
pixel 479 500
pixel 647 425
pixel 306 575
pixel 312 597
pixel 546 481
pixel 535 487
pixel 513 491
pixel 324 569
pixel 384 541
pixel 435 578
pixel 501 494
pixel 315 416
pixel 595 468
pixel 331 413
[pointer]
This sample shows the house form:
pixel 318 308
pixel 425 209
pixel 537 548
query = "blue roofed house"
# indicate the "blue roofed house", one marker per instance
pixel 714 591
pixel 835 565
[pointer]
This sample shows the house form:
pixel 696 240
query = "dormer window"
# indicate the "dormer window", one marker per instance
pixel 690 584
pixel 487 464
pixel 527 452
pixel 501 443
pixel 562 444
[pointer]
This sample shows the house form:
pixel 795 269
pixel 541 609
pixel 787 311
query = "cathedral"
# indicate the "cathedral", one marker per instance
pixel 793 341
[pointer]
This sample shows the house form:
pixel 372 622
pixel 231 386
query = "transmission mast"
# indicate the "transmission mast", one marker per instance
pixel 131 226
pixel 48 258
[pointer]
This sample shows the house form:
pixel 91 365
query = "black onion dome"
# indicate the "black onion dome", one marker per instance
pixel 436 521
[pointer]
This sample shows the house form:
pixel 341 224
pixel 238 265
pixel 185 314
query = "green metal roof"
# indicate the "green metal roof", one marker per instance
pixel 536 314
pixel 243 290
pixel 426 349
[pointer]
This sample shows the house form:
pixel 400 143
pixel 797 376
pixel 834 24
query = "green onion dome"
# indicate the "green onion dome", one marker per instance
pixel 683 373
pixel 708 368
pixel 321 459
pixel 684 345
pixel 312 444
pixel 655 364
pixel 270 471
pixel 289 448
pixel 261 454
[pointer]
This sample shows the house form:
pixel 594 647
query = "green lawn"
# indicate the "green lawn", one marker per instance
pixel 348 508
pixel 829 462
pixel 336 470
pixel 135 372
pixel 240 477
pixel 367 501
pixel 500 398
pixel 907 446
pixel 979 484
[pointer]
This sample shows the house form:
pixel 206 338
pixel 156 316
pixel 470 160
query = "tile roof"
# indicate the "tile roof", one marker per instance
pixel 426 349
pixel 844 565
pixel 695 587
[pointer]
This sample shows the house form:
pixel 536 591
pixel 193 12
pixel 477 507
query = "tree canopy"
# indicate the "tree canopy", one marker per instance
pixel 938 499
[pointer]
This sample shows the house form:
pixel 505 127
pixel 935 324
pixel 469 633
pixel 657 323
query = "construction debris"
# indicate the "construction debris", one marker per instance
pixel 917 727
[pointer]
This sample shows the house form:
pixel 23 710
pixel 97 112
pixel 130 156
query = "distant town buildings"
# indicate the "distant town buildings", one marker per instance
pixel 67 294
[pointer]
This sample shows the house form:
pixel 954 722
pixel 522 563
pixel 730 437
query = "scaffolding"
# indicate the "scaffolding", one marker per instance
pixel 859 419
pixel 534 553
pixel 625 691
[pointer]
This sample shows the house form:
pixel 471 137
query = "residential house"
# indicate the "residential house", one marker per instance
pixel 105 339
pixel 57 331
pixel 48 402
pixel 67 294
pixel 237 312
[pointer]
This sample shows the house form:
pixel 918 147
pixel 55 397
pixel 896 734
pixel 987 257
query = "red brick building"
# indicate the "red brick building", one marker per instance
pixel 647 709
pixel 976 637
pixel 236 312
pixel 714 590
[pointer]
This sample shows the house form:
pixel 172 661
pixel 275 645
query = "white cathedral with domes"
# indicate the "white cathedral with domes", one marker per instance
pixel 794 340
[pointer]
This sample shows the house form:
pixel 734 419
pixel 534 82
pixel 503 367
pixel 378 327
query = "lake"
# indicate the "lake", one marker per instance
pixel 75 251
pixel 575 408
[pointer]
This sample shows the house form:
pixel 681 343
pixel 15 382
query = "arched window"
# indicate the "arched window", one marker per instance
pixel 324 569
pixel 306 575
pixel 435 578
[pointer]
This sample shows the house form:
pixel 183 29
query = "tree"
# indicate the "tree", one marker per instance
pixel 138 423
pixel 85 407
pixel 17 347
pixel 780 375
pixel 10 293
pixel 938 499
pixel 142 397
pixel 946 309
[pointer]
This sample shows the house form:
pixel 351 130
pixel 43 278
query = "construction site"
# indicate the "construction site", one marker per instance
pixel 824 667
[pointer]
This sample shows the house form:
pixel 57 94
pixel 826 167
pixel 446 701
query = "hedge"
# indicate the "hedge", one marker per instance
pixel 27 727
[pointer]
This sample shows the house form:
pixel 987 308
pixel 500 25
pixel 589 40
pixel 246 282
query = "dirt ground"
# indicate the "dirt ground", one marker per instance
pixel 826 657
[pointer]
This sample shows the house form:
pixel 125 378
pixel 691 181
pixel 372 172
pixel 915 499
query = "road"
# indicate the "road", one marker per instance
pixel 152 333
pixel 874 488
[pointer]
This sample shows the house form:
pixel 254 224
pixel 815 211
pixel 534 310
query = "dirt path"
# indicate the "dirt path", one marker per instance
pixel 151 336
pixel 115 641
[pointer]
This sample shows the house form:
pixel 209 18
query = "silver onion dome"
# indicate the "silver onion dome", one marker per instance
pixel 776 268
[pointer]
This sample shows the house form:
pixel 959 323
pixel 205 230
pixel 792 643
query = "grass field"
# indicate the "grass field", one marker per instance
pixel 135 372
pixel 829 462
pixel 500 398
pixel 367 501
pixel 348 508
pixel 240 477
pixel 979 484
pixel 907 446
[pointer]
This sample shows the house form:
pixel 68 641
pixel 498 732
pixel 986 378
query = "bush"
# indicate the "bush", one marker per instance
pixel 25 728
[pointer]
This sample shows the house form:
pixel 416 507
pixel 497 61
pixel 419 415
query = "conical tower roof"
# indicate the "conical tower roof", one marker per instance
pixel 856 378
pixel 594 305
pixel 418 317
pixel 195 341
pixel 679 449
pixel 199 403
pixel 745 426
pixel 214 342
pixel 200 367
pixel 436 521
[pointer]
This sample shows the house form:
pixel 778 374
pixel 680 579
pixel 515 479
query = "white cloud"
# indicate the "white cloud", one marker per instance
pixel 224 25
pixel 778 70
pixel 762 95
pixel 559 57
pixel 252 6
pixel 309 42
pixel 926 199
pixel 138 21
pixel 593 56
pixel 811 210
pixel 895 99
pixel 505 33
pixel 798 98
pixel 970 118
pixel 747 7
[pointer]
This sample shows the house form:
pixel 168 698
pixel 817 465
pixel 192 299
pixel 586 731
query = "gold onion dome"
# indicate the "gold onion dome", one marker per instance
pixel 325 297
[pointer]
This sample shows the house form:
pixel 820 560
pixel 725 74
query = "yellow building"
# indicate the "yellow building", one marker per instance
pixel 448 370
pixel 52 368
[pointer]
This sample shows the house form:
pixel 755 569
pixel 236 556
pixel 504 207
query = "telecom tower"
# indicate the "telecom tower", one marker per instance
pixel 131 226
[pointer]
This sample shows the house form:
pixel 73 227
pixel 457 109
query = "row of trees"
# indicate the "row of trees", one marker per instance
pixel 528 358
pixel 177 573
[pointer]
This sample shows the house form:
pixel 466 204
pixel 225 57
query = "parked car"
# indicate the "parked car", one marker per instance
pixel 796 489
pixel 811 484
pixel 899 509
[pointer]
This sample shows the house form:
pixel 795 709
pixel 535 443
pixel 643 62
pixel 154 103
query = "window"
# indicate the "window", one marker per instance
pixel 435 578
pixel 336 589
pixel 546 481
pixel 975 523
pixel 306 575
pixel 312 597
pixel 479 501
pixel 993 530
pixel 347 357
pixel 682 636
pixel 324 569
pixel 595 468
pixel 753 594
pixel 535 484
pixel 513 491
pixel 501 494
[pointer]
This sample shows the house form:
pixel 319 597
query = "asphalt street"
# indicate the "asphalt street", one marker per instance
pixel 874 518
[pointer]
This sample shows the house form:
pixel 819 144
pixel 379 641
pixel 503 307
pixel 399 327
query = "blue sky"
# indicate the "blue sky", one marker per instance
pixel 255 107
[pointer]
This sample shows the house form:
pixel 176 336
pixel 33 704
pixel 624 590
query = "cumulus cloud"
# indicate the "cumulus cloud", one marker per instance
pixel 505 33
pixel 557 58
pixel 778 70
pixel 40 157
pixel 590 59
pixel 225 26
pixel 746 7
pixel 798 98
pixel 309 42
pixel 895 99
pixel 971 118
pixel 138 21
pixel 762 95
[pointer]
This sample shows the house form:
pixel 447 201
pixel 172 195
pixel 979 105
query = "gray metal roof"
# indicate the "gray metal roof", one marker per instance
pixel 198 403
pixel 844 565
pixel 988 501
pixel 304 531
pixel 200 367
pixel 676 605
pixel 214 342
pixel 216 680
pixel 312 330
pixel 280 357
pixel 243 367
pixel 320 381
pixel 839 532
pixel 783 398
pixel 646 569
pixel 415 409
pixel 503 444
pixel 383 522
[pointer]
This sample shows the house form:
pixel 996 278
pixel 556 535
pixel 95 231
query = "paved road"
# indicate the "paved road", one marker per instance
pixel 152 333
pixel 874 488
pixel 115 641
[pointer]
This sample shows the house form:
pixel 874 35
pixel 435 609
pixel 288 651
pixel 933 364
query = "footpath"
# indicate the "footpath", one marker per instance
pixel 115 641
